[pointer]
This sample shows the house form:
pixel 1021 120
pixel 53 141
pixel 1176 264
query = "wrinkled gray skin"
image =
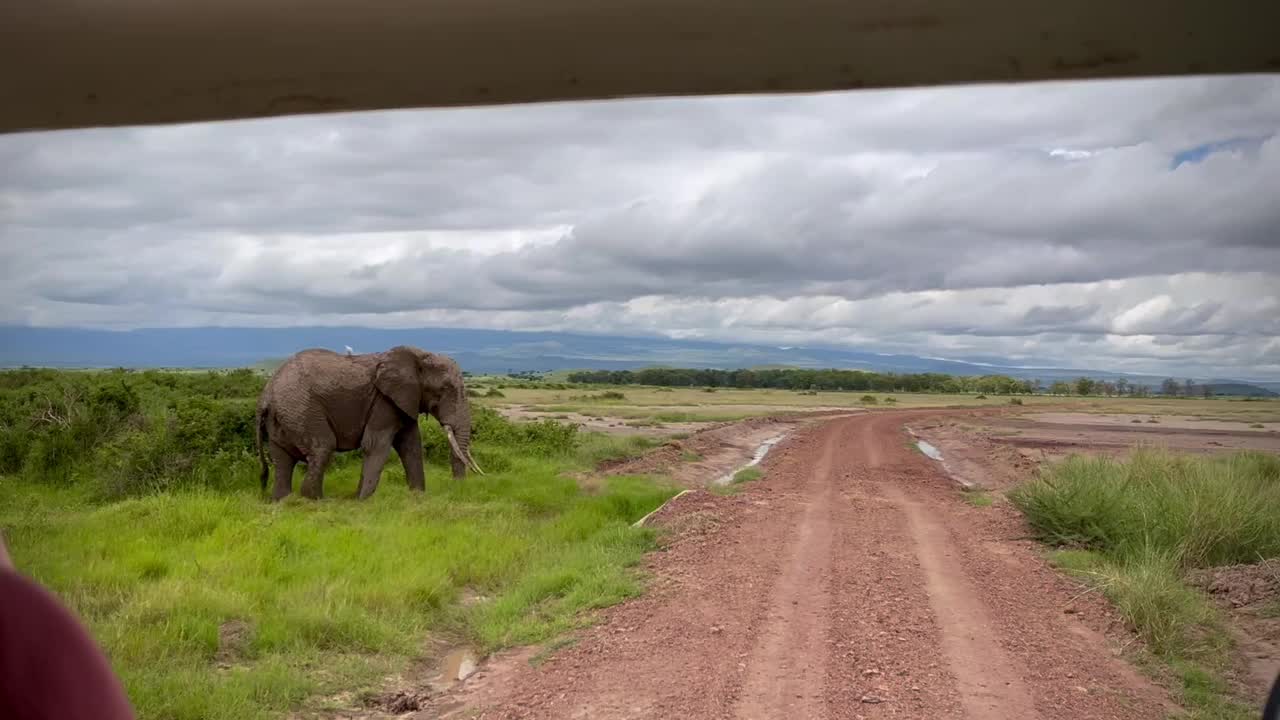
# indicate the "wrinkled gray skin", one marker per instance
pixel 320 402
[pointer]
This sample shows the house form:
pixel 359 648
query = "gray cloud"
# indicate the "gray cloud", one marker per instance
pixel 1025 221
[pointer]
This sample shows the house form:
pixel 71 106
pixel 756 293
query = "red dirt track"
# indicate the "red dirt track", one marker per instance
pixel 853 581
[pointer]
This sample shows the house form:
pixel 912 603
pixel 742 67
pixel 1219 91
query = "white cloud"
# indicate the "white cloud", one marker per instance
pixel 1046 222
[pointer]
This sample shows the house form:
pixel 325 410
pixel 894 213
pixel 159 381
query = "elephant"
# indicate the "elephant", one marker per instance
pixel 320 402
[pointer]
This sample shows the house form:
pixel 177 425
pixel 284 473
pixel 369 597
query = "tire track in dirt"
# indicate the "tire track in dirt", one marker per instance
pixel 788 665
pixel 990 687
pixel 851 582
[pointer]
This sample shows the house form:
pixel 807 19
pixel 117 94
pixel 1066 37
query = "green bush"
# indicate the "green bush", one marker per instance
pixel 15 442
pixel 1139 525
pixel 1204 510
pixel 869 400
pixel 52 456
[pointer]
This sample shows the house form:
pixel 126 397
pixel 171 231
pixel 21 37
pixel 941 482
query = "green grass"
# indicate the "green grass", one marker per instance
pixel 1133 527
pixel 977 498
pixel 352 588
pixel 142 512
pixel 690 456
pixel 596 448
pixel 1204 511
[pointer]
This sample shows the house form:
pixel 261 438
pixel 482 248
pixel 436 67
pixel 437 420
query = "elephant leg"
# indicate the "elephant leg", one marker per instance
pixel 284 464
pixel 408 445
pixel 376 450
pixel 313 483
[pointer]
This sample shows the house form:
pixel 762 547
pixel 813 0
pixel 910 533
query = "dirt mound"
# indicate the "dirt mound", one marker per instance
pixel 1241 585
pixel 233 641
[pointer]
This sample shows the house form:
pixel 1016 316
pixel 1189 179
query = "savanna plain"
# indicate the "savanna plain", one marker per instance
pixel 1065 557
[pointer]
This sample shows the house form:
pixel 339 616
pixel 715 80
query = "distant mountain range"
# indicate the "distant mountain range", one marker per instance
pixel 492 351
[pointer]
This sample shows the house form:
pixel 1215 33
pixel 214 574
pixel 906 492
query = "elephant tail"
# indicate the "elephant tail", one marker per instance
pixel 260 436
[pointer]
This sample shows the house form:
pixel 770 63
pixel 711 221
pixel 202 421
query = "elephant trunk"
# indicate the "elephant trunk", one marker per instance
pixel 458 430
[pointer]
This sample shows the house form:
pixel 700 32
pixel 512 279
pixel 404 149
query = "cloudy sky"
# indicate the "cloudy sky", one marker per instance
pixel 1127 225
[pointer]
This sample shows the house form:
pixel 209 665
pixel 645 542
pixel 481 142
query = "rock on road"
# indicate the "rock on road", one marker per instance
pixel 852 582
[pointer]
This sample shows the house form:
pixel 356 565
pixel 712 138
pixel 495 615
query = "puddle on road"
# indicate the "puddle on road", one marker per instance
pixel 456 667
pixel 761 451
pixel 929 450
pixel 936 454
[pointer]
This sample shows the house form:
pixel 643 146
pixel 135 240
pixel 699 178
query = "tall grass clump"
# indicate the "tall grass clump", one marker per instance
pixel 1135 526
pixel 1200 511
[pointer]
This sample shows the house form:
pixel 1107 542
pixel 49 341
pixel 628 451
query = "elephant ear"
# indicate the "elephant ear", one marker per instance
pixel 398 378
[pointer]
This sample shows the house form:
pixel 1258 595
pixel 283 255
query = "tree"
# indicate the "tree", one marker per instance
pixel 1085 386
pixel 1060 387
pixel 1189 388
pixel 1122 386
pixel 1206 390
pixel 1170 387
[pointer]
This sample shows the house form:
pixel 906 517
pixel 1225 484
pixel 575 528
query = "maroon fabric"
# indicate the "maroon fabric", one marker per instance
pixel 50 667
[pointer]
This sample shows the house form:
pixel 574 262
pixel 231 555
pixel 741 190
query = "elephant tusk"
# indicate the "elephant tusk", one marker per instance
pixel 474 464
pixel 457 451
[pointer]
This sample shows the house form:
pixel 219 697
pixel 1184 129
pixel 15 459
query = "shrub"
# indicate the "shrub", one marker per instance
pixel 51 458
pixel 1015 401
pixel 1201 510
pixel 982 397
pixel 15 441
pixel 891 400
pixel 612 395
pixel 495 393
pixel 869 399
pixel 545 437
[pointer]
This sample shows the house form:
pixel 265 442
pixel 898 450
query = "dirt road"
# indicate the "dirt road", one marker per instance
pixel 852 582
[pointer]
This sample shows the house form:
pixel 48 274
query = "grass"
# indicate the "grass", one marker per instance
pixel 977 498
pixel 596 448
pixel 334 595
pixel 1204 511
pixel 690 456
pixel 350 587
pixel 1133 527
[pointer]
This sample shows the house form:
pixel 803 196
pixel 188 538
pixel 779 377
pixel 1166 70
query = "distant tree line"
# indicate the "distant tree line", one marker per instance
pixel 798 379
pixel 861 380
